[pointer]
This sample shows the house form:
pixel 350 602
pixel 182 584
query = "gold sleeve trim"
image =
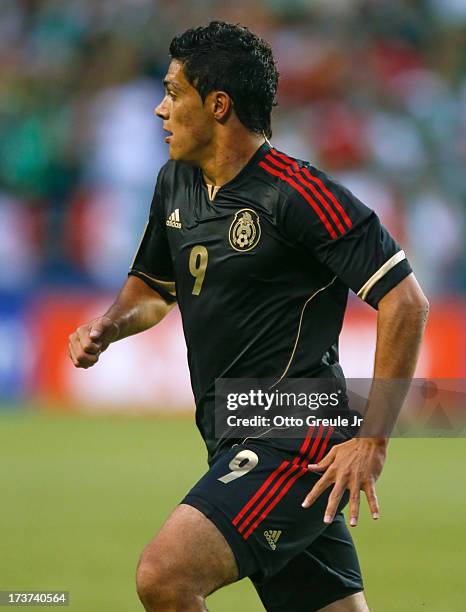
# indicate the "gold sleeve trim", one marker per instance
pixel 388 265
pixel 169 286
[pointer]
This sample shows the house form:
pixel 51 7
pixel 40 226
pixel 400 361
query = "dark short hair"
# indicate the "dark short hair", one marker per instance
pixel 228 57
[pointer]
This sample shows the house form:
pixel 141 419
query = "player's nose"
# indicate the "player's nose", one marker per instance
pixel 161 110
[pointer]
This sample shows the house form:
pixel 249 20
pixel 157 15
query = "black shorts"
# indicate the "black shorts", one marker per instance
pixel 253 494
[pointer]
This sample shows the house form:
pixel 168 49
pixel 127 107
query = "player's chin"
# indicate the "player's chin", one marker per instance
pixel 179 154
pixel 174 152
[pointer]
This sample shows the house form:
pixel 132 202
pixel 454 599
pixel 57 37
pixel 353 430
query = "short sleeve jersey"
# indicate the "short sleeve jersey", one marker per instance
pixel 261 269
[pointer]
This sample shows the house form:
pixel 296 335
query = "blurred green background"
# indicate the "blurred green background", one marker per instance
pixel 81 497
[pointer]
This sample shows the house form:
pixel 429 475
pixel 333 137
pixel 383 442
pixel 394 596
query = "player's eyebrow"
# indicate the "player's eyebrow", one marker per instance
pixel 168 83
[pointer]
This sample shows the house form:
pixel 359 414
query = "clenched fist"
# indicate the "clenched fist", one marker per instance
pixel 87 343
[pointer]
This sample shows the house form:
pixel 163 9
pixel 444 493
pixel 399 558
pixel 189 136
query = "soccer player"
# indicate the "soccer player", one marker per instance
pixel 258 250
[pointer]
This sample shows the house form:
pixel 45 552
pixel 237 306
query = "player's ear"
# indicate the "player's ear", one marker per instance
pixel 222 105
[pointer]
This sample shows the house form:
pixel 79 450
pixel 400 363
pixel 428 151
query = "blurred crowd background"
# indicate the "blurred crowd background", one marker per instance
pixel 372 91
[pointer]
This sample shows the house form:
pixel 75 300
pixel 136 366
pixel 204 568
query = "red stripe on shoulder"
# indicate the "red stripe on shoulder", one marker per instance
pixel 304 193
pixel 330 195
pixel 318 182
pixel 311 187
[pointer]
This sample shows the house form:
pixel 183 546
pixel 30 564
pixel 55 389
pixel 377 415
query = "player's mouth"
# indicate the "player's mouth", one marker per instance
pixel 169 137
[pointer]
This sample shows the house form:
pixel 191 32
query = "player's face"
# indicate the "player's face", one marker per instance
pixel 185 117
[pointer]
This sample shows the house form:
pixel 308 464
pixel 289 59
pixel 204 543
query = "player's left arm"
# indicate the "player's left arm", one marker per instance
pixel 357 463
pixel 347 238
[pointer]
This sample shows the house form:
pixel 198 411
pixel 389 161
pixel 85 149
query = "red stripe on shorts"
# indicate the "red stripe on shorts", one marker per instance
pixel 288 485
pixel 272 476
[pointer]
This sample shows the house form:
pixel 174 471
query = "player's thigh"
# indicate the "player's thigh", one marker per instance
pixel 253 494
pixel 188 552
pixel 353 603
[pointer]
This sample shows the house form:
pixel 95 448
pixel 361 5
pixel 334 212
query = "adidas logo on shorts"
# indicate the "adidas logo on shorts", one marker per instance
pixel 272 538
pixel 174 219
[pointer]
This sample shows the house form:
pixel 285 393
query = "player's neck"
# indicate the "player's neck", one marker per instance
pixel 228 157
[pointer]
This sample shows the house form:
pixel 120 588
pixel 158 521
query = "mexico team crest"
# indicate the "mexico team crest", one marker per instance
pixel 245 230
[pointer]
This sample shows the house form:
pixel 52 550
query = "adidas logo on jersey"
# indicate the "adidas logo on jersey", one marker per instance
pixel 174 219
pixel 272 538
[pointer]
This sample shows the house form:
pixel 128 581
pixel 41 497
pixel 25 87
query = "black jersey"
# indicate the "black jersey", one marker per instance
pixel 261 269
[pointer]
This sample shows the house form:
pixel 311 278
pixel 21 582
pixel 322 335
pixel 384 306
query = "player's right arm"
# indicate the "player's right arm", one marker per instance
pixel 137 308
pixel 147 296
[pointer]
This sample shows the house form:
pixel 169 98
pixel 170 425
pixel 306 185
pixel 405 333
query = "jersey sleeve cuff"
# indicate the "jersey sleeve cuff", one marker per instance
pixel 388 276
pixel 166 289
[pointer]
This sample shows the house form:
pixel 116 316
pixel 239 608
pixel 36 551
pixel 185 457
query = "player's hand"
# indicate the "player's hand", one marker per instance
pixel 354 465
pixel 87 343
